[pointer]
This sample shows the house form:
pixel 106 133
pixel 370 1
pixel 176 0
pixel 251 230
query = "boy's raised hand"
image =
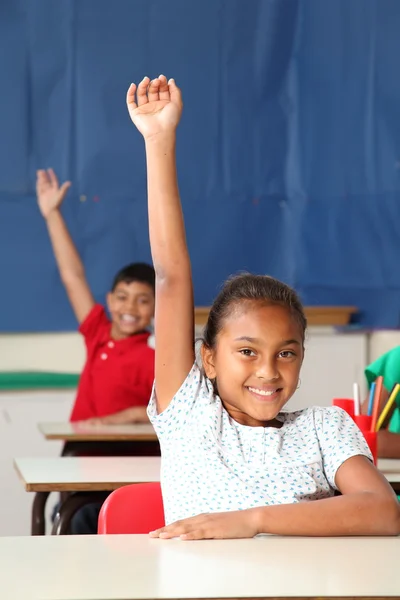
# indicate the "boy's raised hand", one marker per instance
pixel 154 106
pixel 49 193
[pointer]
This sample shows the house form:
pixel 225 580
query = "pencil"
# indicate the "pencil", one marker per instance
pixel 388 406
pixel 377 402
pixel 371 399
pixel 356 396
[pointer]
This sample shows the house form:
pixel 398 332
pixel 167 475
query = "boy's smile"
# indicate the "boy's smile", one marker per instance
pixel 131 307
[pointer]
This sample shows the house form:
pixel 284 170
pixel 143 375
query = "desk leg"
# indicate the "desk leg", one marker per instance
pixel 396 488
pixel 70 506
pixel 38 526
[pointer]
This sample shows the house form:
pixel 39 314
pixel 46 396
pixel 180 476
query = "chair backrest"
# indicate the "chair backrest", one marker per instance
pixel 136 508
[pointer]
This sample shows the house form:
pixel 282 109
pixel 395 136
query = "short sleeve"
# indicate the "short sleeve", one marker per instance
pixel 339 439
pixel 96 325
pixel 194 395
pixel 388 366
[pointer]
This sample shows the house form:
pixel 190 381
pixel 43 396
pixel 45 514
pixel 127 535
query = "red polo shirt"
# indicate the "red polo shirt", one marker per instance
pixel 118 374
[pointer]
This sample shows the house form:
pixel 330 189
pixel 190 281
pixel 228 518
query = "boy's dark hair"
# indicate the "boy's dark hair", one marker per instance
pixel 136 272
pixel 251 288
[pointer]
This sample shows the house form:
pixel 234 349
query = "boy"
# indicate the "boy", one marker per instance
pixel 116 382
pixel 387 365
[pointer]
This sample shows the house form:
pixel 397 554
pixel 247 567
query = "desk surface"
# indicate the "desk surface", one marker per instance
pixel 136 567
pixel 86 474
pixel 107 473
pixel 76 432
pixel 389 465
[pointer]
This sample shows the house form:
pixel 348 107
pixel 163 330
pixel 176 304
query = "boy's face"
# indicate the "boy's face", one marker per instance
pixel 131 307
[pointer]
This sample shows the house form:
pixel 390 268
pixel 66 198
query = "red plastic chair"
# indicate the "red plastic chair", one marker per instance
pixel 136 508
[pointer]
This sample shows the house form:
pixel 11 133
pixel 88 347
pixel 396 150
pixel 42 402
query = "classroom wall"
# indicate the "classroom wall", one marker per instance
pixel 288 151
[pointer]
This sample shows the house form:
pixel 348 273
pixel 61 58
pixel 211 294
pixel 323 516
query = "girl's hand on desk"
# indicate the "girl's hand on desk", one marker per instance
pixel 235 524
pixel 157 107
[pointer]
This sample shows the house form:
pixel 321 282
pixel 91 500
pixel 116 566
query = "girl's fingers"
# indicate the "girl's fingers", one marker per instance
pixel 170 531
pixel 196 534
pixel 156 532
pixel 142 92
pixel 175 92
pixel 164 88
pixel 154 89
pixel 130 96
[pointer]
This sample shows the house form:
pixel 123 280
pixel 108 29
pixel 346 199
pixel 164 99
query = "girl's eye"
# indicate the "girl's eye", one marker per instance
pixel 247 352
pixel 287 354
pixel 121 298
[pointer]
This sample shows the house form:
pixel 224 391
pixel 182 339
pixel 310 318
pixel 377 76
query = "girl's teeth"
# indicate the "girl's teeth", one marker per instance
pixel 262 392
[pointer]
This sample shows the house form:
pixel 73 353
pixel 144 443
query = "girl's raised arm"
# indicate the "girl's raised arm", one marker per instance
pixel 155 108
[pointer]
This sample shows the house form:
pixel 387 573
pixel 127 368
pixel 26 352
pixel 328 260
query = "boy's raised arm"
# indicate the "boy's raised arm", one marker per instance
pixel 50 197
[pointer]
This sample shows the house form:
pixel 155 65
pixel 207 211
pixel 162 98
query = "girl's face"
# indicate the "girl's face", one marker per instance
pixel 256 361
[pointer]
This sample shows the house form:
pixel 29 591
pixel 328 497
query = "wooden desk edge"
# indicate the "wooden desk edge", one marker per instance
pixel 78 487
pixel 316 315
pixel 289 598
pixel 20 476
pixel 82 437
pixel 283 598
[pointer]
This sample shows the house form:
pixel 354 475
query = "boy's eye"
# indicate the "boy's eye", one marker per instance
pixel 247 352
pixel 121 297
pixel 144 300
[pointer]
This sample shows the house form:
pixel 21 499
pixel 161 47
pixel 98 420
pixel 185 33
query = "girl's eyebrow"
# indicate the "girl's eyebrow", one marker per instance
pixel 251 340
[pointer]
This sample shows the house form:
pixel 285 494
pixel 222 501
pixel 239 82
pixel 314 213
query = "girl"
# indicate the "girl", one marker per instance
pixel 234 465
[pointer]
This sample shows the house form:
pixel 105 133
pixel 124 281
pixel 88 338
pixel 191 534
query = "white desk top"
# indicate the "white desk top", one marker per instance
pixel 136 567
pixel 99 473
pixel 107 473
pixel 77 432
pixel 389 465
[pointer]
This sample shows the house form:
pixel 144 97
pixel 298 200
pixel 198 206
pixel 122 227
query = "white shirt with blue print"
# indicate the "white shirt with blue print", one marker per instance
pixel 211 463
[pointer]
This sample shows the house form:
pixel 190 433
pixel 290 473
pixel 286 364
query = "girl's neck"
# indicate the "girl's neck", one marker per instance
pixel 244 419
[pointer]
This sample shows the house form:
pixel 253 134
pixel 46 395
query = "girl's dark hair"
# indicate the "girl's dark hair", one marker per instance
pixel 251 288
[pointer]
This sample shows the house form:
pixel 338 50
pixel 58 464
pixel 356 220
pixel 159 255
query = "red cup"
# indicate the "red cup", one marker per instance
pixel 346 403
pixel 364 422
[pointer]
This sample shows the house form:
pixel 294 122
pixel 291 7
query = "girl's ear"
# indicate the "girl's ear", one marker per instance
pixel 207 358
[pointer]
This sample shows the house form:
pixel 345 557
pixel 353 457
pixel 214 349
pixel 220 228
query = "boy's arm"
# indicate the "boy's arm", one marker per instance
pixel 156 111
pixel 134 414
pixel 50 197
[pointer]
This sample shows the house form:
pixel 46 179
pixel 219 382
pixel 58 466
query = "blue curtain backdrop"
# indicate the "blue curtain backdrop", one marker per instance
pixel 288 152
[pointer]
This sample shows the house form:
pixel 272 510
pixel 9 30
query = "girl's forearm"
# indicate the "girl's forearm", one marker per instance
pixel 364 513
pixel 167 232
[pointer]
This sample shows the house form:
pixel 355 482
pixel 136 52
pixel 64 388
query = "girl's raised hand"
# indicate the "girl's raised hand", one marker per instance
pixel 155 106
